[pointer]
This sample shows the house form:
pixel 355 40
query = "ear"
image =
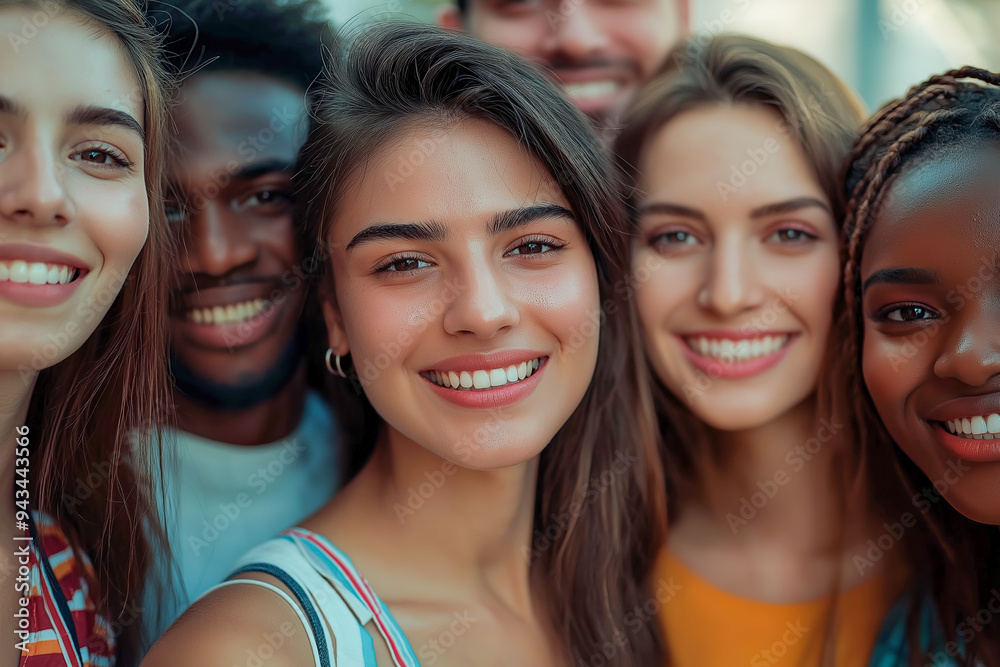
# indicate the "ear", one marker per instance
pixel 336 335
pixel 449 18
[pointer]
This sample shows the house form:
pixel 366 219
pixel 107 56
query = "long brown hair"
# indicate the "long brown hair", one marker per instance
pixel 821 115
pixel 960 570
pixel 594 542
pixel 818 112
pixel 85 408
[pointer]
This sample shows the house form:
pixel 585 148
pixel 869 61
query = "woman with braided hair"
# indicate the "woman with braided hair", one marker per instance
pixel 921 319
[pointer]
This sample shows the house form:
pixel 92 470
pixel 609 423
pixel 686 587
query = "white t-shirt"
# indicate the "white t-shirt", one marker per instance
pixel 223 500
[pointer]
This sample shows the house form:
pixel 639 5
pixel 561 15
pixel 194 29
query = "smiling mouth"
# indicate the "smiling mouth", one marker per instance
pixel 483 379
pixel 591 90
pixel 37 273
pixel 730 351
pixel 978 427
pixel 236 313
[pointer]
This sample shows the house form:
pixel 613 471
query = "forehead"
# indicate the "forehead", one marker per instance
pixel 79 62
pixel 458 175
pixel 228 115
pixel 943 211
pixel 725 158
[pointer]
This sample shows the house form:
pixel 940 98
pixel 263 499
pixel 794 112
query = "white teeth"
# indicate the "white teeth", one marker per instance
pixel 590 90
pixel 737 350
pixel 978 427
pixel 230 314
pixel 480 379
pixel 484 379
pixel 19 272
pixel 35 273
pixel 993 423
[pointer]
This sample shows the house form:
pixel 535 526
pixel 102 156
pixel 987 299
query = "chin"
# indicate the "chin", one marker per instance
pixel 976 510
pixel 485 450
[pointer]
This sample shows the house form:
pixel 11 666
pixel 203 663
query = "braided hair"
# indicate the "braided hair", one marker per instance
pixel 959 556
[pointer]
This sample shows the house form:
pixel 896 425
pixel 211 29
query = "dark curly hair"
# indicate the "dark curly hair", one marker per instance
pixel 279 38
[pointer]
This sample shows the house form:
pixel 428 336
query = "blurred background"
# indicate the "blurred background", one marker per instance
pixel 879 47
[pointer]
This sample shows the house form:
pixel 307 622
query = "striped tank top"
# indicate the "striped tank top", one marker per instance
pixel 326 585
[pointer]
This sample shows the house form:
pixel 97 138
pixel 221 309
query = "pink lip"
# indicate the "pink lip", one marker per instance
pixel 36 253
pixel 42 296
pixel 229 336
pixel 966 406
pixel 716 368
pixel 473 362
pixel 485 399
pixel 967 449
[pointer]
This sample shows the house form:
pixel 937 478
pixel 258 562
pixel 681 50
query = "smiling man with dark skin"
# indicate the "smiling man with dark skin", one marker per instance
pixel 599 52
pixel 255 450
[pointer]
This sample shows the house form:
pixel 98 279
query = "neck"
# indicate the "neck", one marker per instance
pixel 778 479
pixel 458 526
pixel 265 422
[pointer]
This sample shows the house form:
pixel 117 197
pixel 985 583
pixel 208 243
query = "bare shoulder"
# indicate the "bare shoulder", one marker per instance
pixel 235 625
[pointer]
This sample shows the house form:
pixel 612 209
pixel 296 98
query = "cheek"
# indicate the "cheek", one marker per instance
pixel 640 36
pixel 662 288
pixel 566 299
pixel 119 225
pixel 278 236
pixel 808 286
pixel 880 366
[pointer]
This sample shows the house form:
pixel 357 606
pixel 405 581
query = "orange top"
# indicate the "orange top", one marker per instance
pixel 707 627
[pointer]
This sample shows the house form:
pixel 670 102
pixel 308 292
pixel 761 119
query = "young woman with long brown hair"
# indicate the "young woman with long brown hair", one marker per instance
pixel 733 154
pixel 922 344
pixel 508 509
pixel 82 355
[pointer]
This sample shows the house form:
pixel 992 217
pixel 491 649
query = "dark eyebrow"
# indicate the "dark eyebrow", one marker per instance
pixel 508 220
pixel 91 115
pixel 666 208
pixel 253 171
pixel 789 206
pixel 409 231
pixel 903 277
pixel 12 108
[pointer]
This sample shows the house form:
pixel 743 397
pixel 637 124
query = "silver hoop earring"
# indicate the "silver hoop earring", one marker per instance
pixel 339 371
